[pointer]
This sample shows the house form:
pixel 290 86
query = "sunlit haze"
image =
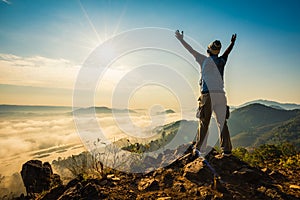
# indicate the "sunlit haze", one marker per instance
pixel 43 44
pixel 111 78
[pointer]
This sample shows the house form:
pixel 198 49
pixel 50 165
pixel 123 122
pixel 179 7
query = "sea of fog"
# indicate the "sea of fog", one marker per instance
pixel 49 133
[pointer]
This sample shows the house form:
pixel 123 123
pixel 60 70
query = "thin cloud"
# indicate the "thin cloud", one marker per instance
pixel 37 71
pixel 34 134
pixel 6 1
pixel 35 61
pixel 23 138
pixel 18 136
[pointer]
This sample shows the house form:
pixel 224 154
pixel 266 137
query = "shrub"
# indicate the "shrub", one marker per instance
pixel 269 155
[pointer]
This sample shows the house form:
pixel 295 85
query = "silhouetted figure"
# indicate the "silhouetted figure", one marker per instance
pixel 212 99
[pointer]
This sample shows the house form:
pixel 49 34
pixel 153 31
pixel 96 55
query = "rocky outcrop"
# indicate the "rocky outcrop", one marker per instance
pixel 197 172
pixel 38 177
pixel 186 178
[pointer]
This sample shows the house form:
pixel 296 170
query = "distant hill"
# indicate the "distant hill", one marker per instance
pixel 274 104
pixel 26 110
pixel 257 124
pixel 249 126
pixel 32 111
pixel 99 110
pixel 256 115
pixel 183 130
pixel 168 111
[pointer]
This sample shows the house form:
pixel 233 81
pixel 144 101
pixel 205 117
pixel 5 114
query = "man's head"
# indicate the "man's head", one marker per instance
pixel 214 47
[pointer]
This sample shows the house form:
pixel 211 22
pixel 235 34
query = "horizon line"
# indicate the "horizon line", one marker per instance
pixel 47 105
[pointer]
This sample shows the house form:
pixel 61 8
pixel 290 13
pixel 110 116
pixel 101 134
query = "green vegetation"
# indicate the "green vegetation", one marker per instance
pixel 95 164
pixel 288 131
pixel 268 155
pixel 153 145
pixel 83 164
pixel 183 130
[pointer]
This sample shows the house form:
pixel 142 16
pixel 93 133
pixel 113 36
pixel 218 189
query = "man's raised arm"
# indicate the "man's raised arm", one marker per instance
pixel 229 48
pixel 186 45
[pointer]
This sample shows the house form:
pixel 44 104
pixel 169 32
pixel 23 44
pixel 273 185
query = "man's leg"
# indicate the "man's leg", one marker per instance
pixel 225 141
pixel 205 115
pixel 220 109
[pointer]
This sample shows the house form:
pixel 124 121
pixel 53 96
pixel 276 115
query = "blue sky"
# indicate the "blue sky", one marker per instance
pixel 263 65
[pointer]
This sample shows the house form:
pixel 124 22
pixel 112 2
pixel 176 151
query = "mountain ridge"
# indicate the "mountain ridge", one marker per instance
pixel 4 108
pixel 257 124
pixel 270 103
pixel 249 126
pixel 255 115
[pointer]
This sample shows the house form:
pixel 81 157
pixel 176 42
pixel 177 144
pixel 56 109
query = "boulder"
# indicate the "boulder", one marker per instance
pixel 91 191
pixel 179 187
pixel 197 172
pixel 168 178
pixel 38 176
pixel 148 184
pixel 227 164
pixel 54 193
pixel 248 175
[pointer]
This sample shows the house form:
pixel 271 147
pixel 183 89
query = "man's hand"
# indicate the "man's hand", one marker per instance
pixel 233 38
pixel 196 54
pixel 229 48
pixel 178 35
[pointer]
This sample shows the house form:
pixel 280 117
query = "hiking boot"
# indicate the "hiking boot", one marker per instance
pixel 197 153
pixel 226 153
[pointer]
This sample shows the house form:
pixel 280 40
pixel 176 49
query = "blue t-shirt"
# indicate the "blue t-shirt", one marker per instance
pixel 208 73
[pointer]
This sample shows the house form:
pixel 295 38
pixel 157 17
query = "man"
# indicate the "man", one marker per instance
pixel 212 99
